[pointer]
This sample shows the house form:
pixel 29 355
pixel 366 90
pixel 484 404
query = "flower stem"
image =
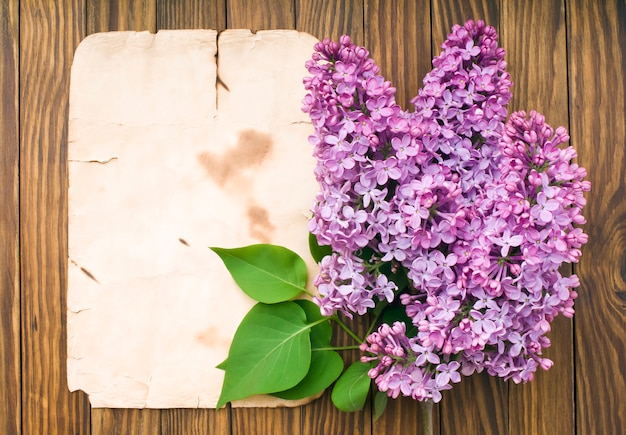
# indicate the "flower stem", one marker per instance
pixel 373 324
pixel 427 417
pixel 306 292
pixel 355 347
pixel 348 330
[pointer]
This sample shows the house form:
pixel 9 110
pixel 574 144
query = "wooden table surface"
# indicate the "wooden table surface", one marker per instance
pixel 567 59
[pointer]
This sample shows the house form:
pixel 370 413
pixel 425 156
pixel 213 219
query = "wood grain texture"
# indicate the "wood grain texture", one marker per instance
pixel 446 13
pixel 543 88
pixel 398 37
pixel 10 407
pixel 191 14
pixel 138 15
pixel 260 14
pixel 49 33
pixel 597 54
pixel 478 406
pixel 126 421
pixel 403 413
pixel 270 421
pixel 537 61
pixel 195 421
pixel 331 19
pixel 321 417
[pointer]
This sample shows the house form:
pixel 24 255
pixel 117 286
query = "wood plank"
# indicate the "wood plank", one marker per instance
pixel 597 54
pixel 10 408
pixel 191 14
pixel 195 421
pixel 331 19
pixel 398 37
pixel 260 14
pixel 268 421
pixel 543 86
pixel 404 414
pixel 479 403
pixel 126 421
pixel 49 33
pixel 534 408
pixel 321 417
pixel 103 16
pixel 446 13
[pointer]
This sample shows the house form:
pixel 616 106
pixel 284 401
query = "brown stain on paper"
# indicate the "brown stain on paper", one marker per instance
pixel 260 226
pixel 85 271
pixel 251 149
pixel 211 337
pixel 226 170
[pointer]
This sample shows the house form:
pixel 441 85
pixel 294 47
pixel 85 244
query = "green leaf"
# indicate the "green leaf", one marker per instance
pixel 222 365
pixel 326 365
pixel 350 391
pixel 318 252
pixel 380 307
pixel 320 333
pixel 380 403
pixel 267 273
pixel 270 352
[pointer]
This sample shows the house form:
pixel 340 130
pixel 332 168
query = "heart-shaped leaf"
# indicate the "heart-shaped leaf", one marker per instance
pixel 326 365
pixel 267 273
pixel 350 391
pixel 270 352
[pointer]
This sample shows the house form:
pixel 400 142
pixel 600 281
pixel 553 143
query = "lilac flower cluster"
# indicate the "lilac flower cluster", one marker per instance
pixel 461 216
pixel 399 365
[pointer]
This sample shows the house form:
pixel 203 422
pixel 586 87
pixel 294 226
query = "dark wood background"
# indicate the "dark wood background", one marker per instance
pixel 567 59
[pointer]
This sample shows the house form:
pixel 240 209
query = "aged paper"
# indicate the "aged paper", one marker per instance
pixel 177 141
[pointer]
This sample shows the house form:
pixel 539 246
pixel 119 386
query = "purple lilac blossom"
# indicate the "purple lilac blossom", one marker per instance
pixel 477 211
